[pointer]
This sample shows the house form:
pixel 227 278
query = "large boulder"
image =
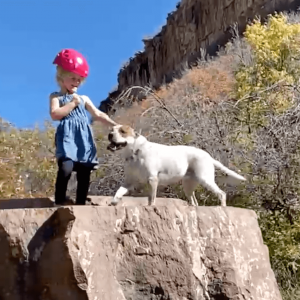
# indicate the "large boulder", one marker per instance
pixel 132 251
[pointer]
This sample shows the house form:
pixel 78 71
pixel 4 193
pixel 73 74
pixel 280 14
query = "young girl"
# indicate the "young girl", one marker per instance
pixel 75 146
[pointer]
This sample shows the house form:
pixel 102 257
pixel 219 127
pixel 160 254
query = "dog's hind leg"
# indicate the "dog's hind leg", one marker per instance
pixel 205 175
pixel 212 186
pixel 189 186
pixel 153 182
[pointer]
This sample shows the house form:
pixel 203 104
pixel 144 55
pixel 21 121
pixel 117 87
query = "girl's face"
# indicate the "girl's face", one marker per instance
pixel 72 82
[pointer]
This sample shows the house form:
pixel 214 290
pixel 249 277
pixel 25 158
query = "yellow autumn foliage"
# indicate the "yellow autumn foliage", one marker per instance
pixel 275 51
pixel 24 154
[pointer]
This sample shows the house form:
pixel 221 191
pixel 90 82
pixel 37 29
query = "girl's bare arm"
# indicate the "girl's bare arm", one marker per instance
pixel 97 114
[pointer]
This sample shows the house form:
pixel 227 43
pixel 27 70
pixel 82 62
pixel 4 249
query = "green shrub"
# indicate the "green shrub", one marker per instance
pixel 268 119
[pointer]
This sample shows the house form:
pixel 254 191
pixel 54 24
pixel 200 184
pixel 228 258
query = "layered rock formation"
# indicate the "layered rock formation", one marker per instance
pixel 194 25
pixel 170 251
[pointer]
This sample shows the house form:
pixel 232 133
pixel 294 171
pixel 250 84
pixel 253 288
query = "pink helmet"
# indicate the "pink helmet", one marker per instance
pixel 72 61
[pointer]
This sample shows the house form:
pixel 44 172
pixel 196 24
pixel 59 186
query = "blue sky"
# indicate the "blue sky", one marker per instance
pixel 33 31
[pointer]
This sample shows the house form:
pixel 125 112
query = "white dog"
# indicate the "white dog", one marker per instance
pixel 157 164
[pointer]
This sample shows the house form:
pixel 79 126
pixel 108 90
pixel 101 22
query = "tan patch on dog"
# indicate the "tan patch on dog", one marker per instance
pixel 126 131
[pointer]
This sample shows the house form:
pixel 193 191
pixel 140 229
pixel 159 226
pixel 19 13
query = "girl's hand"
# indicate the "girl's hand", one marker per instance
pixel 57 112
pixel 76 99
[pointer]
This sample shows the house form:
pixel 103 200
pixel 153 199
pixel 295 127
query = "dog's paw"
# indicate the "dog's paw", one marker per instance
pixel 115 201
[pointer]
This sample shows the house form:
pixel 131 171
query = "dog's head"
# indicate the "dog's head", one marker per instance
pixel 120 136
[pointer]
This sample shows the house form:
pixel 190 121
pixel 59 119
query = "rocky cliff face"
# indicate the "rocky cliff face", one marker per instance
pixel 194 25
pixel 135 252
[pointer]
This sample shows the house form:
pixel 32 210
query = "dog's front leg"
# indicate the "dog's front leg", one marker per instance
pixel 122 191
pixel 153 182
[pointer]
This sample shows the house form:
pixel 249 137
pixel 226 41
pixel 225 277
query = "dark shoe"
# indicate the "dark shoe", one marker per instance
pixel 68 201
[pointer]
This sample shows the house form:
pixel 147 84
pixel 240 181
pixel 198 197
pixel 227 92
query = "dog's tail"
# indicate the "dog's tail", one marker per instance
pixel 229 172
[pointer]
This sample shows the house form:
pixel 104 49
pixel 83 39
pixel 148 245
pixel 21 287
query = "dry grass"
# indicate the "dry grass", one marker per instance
pixel 27 165
pixel 214 80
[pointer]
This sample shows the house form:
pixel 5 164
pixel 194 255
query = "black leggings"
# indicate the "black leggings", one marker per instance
pixel 65 168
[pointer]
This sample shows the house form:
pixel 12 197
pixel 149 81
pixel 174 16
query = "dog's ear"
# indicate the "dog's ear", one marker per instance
pixel 138 133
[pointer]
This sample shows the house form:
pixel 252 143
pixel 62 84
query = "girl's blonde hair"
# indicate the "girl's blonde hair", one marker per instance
pixel 62 73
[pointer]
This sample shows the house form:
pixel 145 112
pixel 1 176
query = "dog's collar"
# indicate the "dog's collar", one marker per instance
pixel 132 156
pixel 135 152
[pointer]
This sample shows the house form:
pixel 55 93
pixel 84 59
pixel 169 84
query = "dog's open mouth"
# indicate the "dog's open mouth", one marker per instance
pixel 114 146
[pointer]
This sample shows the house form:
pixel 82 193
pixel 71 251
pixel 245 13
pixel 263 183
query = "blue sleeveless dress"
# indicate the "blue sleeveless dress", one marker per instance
pixel 74 138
